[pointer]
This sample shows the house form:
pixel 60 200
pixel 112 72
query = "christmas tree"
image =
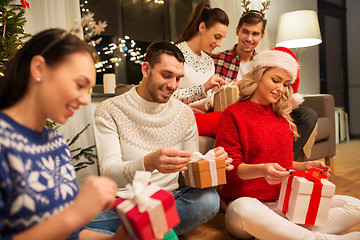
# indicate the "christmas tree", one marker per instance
pixel 12 33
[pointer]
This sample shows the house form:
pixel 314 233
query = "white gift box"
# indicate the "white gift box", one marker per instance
pixel 304 203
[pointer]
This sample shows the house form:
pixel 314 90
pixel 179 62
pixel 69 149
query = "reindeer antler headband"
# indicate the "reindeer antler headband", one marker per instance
pixel 261 13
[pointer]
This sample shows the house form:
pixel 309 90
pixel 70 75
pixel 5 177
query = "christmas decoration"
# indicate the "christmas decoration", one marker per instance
pixel 25 4
pixel 12 35
pixel 113 53
pixel 91 29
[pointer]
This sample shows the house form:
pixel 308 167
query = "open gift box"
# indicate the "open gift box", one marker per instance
pixel 306 199
pixel 225 96
pixel 145 210
pixel 205 171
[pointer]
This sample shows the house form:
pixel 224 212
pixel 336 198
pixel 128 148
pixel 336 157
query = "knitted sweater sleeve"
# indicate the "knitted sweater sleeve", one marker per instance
pixel 108 148
pixel 190 94
pixel 228 137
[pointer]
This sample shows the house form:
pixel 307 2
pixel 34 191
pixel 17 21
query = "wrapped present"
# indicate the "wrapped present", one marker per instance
pixel 205 170
pixel 305 197
pixel 225 96
pixel 145 209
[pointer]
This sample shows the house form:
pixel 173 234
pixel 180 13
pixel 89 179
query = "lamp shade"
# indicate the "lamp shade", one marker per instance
pixel 298 29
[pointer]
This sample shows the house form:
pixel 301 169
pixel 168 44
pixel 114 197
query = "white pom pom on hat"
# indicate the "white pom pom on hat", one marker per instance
pixel 279 57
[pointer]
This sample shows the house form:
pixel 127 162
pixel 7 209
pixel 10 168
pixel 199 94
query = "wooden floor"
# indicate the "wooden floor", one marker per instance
pixel 346 177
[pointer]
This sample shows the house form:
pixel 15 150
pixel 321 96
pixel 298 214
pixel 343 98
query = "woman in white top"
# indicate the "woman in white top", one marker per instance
pixel 203 33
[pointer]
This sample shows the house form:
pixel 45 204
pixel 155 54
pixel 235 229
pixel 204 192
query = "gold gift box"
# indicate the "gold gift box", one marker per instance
pixel 202 175
pixel 225 97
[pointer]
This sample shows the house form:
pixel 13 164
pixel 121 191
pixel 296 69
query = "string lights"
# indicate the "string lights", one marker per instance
pixel 125 47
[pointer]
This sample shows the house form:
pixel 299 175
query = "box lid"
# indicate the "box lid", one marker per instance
pixel 203 165
pixel 303 186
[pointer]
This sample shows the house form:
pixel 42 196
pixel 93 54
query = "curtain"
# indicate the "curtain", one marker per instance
pixel 44 14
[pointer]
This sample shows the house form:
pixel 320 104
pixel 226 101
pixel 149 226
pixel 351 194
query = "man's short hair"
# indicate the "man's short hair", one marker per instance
pixel 154 51
pixel 252 17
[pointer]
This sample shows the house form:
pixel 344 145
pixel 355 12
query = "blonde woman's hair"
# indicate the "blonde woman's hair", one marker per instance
pixel 248 85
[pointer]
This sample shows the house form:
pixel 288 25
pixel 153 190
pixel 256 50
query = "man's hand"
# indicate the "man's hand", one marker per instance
pixel 220 152
pixel 214 81
pixel 167 160
pixel 274 173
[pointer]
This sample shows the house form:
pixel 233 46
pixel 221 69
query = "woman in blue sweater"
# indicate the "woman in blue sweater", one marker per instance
pixel 49 78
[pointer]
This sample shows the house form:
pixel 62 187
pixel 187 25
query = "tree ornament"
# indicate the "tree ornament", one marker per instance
pixel 25 4
pixel 12 34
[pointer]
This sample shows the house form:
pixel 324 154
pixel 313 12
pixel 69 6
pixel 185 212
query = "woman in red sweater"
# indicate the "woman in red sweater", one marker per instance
pixel 257 132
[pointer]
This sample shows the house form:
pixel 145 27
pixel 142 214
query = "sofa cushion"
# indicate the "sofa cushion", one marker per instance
pixel 205 144
pixel 324 129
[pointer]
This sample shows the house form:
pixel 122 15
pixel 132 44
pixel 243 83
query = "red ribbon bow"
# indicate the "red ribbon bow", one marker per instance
pixel 314 175
pixel 25 4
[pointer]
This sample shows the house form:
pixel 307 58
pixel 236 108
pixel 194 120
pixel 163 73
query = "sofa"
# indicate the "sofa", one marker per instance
pixel 325 143
pixel 323 137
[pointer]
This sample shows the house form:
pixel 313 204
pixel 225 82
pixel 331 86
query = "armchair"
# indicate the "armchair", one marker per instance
pixel 324 146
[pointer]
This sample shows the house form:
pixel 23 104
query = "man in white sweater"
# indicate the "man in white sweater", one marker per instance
pixel 147 129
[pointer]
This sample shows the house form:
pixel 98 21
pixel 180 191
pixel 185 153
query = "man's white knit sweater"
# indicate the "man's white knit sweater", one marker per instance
pixel 127 128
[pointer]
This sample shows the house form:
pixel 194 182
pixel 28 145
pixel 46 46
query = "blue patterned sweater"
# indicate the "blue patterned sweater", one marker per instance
pixel 37 177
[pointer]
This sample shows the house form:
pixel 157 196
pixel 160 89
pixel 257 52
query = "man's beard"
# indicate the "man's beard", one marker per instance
pixel 153 92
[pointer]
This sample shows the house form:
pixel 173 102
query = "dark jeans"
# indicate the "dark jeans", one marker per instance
pixel 305 119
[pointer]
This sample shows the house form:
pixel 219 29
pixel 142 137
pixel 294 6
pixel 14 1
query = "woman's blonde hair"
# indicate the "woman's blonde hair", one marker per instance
pixel 248 85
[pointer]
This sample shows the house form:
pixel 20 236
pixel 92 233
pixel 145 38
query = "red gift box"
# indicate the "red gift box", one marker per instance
pixel 305 197
pixel 146 211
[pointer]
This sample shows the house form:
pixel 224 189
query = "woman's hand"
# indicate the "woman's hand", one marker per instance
pixel 214 81
pixel 97 194
pixel 304 166
pixel 274 173
pixel 220 152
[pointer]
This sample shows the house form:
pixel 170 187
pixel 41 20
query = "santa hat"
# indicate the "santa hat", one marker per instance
pixel 283 58
pixel 280 57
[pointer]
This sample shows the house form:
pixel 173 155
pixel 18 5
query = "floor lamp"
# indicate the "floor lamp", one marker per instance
pixel 298 29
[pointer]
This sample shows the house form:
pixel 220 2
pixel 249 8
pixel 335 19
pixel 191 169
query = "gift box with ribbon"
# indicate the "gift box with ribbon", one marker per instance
pixel 205 170
pixel 145 210
pixel 225 96
pixel 305 197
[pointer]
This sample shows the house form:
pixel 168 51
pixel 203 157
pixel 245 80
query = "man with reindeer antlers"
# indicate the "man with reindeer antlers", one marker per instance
pixel 234 63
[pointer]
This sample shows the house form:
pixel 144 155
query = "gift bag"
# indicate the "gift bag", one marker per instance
pixel 145 210
pixel 205 170
pixel 225 96
pixel 305 197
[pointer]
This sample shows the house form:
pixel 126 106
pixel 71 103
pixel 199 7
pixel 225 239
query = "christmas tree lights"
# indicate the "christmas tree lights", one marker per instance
pixel 12 34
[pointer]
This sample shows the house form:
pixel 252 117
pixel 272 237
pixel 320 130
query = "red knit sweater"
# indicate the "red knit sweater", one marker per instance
pixel 251 133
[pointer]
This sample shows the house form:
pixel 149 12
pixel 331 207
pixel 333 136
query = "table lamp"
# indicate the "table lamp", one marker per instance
pixel 298 29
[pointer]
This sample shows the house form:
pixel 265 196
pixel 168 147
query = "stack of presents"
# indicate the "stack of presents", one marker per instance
pixel 147 211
